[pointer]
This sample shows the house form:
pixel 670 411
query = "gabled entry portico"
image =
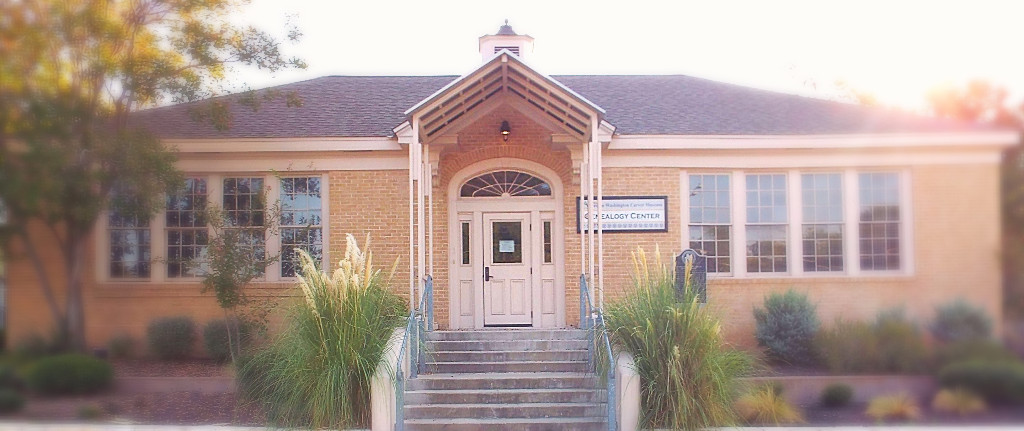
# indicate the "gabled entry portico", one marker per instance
pixel 507 251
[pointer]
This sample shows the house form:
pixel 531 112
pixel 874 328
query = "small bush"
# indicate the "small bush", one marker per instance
pixel 89 412
pixel 9 379
pixel 171 337
pixel 968 350
pixel 837 395
pixel 36 346
pixel 10 400
pixel 215 338
pixel 960 321
pixel 999 382
pixel 786 326
pixel 121 346
pixel 901 347
pixel 898 407
pixel 958 401
pixel 69 374
pixel 848 347
pixel 766 406
pixel 890 344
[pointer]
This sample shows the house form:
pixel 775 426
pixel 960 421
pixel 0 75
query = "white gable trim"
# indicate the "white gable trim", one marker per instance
pixel 754 142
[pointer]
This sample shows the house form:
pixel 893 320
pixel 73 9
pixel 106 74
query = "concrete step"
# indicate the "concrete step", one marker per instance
pixel 505 345
pixel 520 410
pixel 507 367
pixel 466 381
pixel 508 334
pixel 506 396
pixel 507 424
pixel 508 355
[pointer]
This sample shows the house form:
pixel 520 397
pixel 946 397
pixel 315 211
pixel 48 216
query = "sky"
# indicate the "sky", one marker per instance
pixel 895 50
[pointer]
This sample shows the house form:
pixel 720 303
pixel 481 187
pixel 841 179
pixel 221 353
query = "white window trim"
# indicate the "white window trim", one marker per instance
pixel 789 272
pixel 215 191
pixel 685 187
pixel 324 222
pixel 799 214
pixel 794 249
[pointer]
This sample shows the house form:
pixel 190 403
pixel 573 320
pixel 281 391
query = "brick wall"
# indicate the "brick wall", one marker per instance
pixel 955 233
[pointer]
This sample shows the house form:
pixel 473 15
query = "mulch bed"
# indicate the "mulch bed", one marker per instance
pixel 854 415
pixel 173 408
pixel 184 368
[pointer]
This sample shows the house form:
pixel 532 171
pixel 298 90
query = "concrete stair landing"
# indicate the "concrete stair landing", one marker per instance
pixel 509 379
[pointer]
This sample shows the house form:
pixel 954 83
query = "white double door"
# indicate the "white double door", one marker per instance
pixel 508 271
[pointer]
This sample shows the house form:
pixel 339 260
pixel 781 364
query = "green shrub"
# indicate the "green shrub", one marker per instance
pixel 316 373
pixel 9 379
pixel 848 347
pixel 36 346
pixel 215 338
pixel 10 400
pixel 786 326
pixel 689 374
pixel 121 346
pixel 171 337
pixel 967 350
pixel 765 405
pixel 1000 382
pixel 70 373
pixel 89 412
pixel 901 347
pixel 892 344
pixel 837 395
pixel 960 321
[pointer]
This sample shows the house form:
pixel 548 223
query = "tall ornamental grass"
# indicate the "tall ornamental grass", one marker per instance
pixel 689 374
pixel 316 373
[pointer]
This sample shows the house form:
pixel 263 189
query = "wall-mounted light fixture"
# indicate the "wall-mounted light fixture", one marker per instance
pixel 505 130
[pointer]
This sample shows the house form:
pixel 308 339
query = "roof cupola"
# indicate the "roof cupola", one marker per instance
pixel 505 39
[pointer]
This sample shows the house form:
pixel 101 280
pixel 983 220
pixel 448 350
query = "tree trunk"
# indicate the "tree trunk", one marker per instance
pixel 75 322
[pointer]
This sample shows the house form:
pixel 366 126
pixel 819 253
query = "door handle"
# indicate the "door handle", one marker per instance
pixel 487 273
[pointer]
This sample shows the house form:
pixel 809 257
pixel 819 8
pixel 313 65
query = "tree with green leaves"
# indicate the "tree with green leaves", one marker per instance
pixel 235 257
pixel 71 75
pixel 981 101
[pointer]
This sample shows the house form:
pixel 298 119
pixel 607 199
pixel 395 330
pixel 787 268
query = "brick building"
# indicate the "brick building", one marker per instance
pixel 477 181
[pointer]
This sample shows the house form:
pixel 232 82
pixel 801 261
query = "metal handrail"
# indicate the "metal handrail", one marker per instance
pixel 423 318
pixel 591 318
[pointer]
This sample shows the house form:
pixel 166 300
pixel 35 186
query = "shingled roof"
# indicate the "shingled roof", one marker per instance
pixel 371 106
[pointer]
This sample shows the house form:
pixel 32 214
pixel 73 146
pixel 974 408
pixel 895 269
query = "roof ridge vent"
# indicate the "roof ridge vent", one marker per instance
pixel 505 39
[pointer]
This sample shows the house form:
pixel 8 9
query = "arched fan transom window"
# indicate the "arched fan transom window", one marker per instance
pixel 505 183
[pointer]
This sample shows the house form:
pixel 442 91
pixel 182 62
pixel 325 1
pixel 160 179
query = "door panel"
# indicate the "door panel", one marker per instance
pixel 508 298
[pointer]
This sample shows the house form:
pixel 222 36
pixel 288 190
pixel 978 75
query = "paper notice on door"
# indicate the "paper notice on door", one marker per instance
pixel 507 246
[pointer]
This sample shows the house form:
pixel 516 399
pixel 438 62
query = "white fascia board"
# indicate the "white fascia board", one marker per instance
pixel 744 142
pixel 404 133
pixel 265 145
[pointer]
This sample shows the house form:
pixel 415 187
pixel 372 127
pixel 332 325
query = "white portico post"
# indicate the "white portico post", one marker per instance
pixel 595 142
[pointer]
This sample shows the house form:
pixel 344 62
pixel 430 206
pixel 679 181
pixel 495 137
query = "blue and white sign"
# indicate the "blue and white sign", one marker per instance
pixel 626 214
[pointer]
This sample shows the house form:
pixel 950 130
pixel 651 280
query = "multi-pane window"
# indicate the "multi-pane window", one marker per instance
pixel 879 221
pixel 301 221
pixel 129 245
pixel 767 219
pixel 187 234
pixel 244 210
pixel 822 210
pixel 710 218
